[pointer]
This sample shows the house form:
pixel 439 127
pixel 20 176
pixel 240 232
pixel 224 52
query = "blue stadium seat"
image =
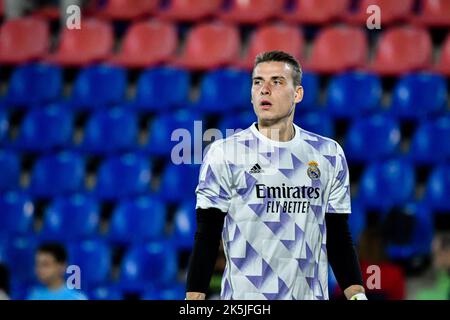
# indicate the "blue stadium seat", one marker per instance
pixel 224 90
pixel 45 129
pixel 98 86
pixel 354 93
pixel 155 89
pixel 418 242
pixel 357 220
pixel 428 144
pixel 71 218
pixel 105 293
pixel 139 219
pixel 34 84
pixel 163 127
pixel 387 183
pixel 9 170
pixel 146 265
pixel 372 138
pixel 122 176
pixel 316 122
pixel 173 292
pixel 311 87
pixel 19 256
pixel 4 125
pixel 419 95
pixel 438 189
pixel 17 213
pixel 178 182
pixel 108 131
pixel 94 258
pixel 242 121
pixel 185 225
pixel 57 174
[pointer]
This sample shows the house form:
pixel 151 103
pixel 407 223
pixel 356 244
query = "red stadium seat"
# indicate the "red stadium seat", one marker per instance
pixel 47 13
pixel 128 9
pixel 190 10
pixel 274 37
pixel 434 13
pixel 391 11
pixel 316 11
pixel 147 43
pixel 209 45
pixel 252 11
pixel 338 49
pixel 22 40
pixel 402 49
pixel 78 47
pixel 443 65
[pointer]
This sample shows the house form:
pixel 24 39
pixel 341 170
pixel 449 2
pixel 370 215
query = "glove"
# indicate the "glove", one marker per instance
pixel 359 296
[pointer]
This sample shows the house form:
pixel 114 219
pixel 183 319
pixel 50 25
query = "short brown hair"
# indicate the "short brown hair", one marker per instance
pixel 281 56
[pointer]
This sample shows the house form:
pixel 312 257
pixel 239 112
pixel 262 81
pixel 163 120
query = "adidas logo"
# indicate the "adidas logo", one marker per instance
pixel 256 169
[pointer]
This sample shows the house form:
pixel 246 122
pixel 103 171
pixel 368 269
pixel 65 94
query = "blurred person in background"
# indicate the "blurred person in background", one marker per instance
pixel 50 270
pixel 440 290
pixel 4 283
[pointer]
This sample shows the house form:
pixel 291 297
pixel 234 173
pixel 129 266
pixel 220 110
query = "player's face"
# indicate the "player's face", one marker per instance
pixel 47 268
pixel 274 94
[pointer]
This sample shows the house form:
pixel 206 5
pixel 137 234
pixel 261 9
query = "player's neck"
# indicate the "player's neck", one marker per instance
pixel 281 131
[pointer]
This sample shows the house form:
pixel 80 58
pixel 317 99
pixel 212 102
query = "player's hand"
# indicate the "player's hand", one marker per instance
pixel 195 296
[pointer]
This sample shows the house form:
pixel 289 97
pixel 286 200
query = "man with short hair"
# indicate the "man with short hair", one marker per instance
pixel 280 197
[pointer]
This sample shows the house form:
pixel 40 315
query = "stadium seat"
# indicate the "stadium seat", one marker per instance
pixel 273 37
pixel 391 11
pixel 148 264
pixel 443 65
pixel 190 10
pixel 410 232
pixel 172 292
pixel 107 292
pixel 438 189
pixel 78 47
pixel 33 84
pixel 393 54
pixel 19 256
pixel 128 9
pixel 109 131
pixel 169 129
pixel 137 220
pixel 428 145
pixel 318 12
pixel 98 86
pixel 155 89
pixel 224 91
pixel 45 129
pixel 17 213
pixel 123 176
pixel 357 220
pixel 185 225
pixel 9 170
pixel 202 50
pixel 233 122
pixel 252 11
pixel 311 90
pixel 178 177
pixel 433 13
pixel 23 40
pixel 372 138
pixel 315 121
pixel 57 174
pixel 419 95
pixel 337 49
pixel 94 258
pixel 387 183
pixel 4 126
pixel 353 94
pixel 146 44
pixel 71 218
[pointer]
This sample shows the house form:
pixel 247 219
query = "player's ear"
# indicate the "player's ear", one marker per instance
pixel 298 94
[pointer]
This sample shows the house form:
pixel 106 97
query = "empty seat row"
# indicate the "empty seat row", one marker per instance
pixel 335 49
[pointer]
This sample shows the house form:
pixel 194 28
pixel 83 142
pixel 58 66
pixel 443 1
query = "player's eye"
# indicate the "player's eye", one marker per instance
pixel 256 82
pixel 277 82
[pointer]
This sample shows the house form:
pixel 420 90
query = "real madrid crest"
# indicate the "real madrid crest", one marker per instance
pixel 313 170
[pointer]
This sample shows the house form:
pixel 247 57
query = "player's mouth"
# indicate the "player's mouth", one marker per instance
pixel 265 104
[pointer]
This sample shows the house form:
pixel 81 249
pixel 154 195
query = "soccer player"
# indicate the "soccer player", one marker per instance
pixel 280 198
